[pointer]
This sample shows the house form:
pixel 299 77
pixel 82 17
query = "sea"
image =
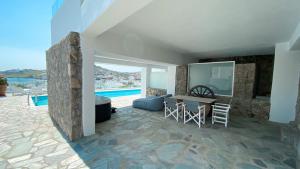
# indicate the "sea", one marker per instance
pixel 24 81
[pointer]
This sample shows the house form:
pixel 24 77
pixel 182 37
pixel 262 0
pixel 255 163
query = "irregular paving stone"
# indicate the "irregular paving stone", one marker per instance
pixel 113 142
pixel 246 166
pixel 149 166
pixel 44 151
pixel 20 158
pixel 20 141
pixel 175 136
pixel 3 164
pixel 291 153
pixel 244 145
pixel 19 149
pixel 28 162
pixel 75 164
pixel 169 152
pixel 27 133
pixel 277 156
pixel 4 148
pixel 184 166
pixel 141 144
pixel 193 151
pixel 260 163
pixel 70 160
pixel 263 149
pixel 57 153
pixel 290 162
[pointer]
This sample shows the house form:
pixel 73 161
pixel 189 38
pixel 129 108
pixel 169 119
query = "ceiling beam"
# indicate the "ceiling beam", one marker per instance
pixel 295 40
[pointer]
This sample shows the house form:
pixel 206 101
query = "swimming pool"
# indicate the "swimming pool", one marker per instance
pixel 43 100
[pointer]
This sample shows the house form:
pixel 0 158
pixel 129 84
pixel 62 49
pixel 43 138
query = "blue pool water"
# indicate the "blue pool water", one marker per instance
pixel 40 100
pixel 43 100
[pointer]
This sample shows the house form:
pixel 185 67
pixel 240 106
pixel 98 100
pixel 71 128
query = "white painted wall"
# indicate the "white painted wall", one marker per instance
pixel 145 80
pixel 90 12
pixel 99 16
pixel 66 20
pixel 171 80
pixel 135 46
pixel 285 84
pixel 295 39
pixel 88 93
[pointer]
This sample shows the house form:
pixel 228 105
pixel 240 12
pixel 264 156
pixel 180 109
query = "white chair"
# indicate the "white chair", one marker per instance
pixel 172 108
pixel 220 113
pixel 193 111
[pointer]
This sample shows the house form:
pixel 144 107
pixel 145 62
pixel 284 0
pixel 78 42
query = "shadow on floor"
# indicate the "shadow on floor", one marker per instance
pixel 140 139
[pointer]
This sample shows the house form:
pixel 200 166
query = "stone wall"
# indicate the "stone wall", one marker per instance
pixel 264 76
pixel 155 92
pixel 181 80
pixel 264 65
pixel 243 101
pixel 64 73
pixel 244 81
pixel 298 108
pixel 298 124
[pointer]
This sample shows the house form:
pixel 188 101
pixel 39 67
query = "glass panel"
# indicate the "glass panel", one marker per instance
pixel 218 76
pixel 158 78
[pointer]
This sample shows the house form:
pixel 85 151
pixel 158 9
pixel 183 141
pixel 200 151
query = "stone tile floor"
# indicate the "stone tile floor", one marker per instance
pixel 136 139
pixel 124 101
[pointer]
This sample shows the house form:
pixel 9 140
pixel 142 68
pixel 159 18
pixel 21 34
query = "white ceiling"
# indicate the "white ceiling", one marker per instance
pixel 215 27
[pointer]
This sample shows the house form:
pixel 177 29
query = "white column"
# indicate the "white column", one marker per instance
pixel 145 78
pixel 88 89
pixel 171 81
pixel 285 84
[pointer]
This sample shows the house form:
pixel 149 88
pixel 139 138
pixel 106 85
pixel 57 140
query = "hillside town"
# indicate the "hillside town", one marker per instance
pixel 105 79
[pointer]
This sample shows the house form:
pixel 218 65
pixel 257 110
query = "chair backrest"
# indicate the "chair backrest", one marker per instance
pixel 191 106
pixel 171 103
pixel 224 105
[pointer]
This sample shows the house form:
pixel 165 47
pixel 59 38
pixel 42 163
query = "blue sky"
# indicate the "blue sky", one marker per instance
pixel 24 33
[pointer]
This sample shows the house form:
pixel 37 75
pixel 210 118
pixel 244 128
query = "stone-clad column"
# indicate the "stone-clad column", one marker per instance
pixel 181 80
pixel 298 122
pixel 244 79
pixel 298 107
pixel 64 73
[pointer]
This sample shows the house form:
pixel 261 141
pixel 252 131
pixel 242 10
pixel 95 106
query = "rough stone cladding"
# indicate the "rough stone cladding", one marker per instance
pixel 243 101
pixel 298 108
pixel 64 73
pixel 264 65
pixel 298 124
pixel 181 80
pixel 155 92
pixel 246 85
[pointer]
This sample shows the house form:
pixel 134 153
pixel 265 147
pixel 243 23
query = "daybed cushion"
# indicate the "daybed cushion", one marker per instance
pixel 151 103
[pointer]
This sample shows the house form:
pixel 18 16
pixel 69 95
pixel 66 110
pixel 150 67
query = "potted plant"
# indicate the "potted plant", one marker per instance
pixel 3 85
